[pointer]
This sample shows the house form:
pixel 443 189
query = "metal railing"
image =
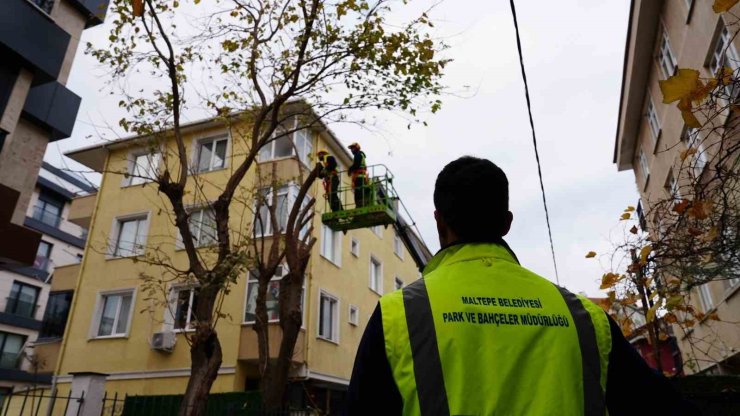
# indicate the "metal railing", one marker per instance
pixel 18 307
pixel 49 218
pixel 375 189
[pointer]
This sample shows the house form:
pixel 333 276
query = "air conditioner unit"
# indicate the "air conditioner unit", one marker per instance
pixel 163 341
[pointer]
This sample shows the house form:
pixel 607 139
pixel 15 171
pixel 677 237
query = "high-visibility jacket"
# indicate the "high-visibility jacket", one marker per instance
pixel 358 168
pixel 481 335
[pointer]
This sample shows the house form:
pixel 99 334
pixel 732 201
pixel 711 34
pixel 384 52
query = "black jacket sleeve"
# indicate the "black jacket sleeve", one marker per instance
pixel 356 162
pixel 632 387
pixel 372 389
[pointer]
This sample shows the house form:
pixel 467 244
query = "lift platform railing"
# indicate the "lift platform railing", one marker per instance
pixel 372 202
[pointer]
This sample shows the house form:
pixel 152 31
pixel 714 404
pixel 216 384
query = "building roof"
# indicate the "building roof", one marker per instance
pixel 641 31
pixel 93 156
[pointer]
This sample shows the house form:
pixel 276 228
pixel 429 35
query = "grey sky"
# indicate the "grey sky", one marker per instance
pixel 573 52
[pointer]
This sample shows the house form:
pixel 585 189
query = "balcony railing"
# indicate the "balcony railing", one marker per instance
pixel 41 263
pixel 9 360
pixel 19 307
pixel 49 218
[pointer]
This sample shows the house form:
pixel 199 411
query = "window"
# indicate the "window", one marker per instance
pixel 377 230
pixel 398 246
pixel 284 200
pixel 398 283
pixel 131 237
pixel 331 245
pixel 56 314
pixel 671 186
pixel 115 314
pixel 705 296
pixel 11 346
pixel 144 168
pixel 644 166
pixel 732 282
pixel 328 323
pixel 666 59
pixel 45 5
pixel 43 254
pixel 184 300
pixel 376 275
pixel 354 247
pixel 693 139
pixel 652 117
pixel 22 300
pixel 48 210
pixel 212 153
pixel 297 143
pixel 203 226
pixel 354 315
pixel 272 300
pixel 724 52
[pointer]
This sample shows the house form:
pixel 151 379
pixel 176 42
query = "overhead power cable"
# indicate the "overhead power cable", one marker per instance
pixel 534 139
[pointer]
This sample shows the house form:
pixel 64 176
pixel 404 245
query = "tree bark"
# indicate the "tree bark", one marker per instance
pixel 205 357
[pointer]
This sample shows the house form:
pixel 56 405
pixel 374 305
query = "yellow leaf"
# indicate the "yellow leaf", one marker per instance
pixel 690 119
pixel 591 254
pixel 680 85
pixel 651 312
pixel 711 235
pixel 670 318
pixel 700 209
pixel 138 6
pixel 726 75
pixel 720 6
pixel 608 280
pixel 688 152
pixel 713 316
pixel 644 253
pixel 633 230
pixel 630 208
pixel 625 216
pixel 663 336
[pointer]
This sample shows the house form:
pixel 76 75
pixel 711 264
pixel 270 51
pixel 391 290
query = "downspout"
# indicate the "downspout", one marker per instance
pixel 76 296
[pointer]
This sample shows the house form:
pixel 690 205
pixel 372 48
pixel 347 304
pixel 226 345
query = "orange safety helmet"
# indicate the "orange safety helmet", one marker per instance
pixel 354 145
pixel 321 154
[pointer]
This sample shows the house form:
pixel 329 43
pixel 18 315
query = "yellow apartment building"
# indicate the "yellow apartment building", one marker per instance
pixel 664 36
pixel 113 329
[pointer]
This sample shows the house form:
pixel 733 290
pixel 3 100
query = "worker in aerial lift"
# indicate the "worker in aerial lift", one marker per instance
pixel 358 172
pixel 330 175
pixel 479 334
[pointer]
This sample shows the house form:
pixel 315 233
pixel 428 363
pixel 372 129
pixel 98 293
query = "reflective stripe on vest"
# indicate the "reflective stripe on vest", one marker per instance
pixel 536 349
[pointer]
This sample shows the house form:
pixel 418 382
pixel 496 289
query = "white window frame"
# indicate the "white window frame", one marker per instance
pixel 666 58
pixel 303 153
pixel 291 190
pixel 377 230
pixel 692 138
pixel 171 310
pixel 354 310
pixel 722 51
pixel 154 159
pixel 398 245
pixel 197 236
pixel 327 234
pixel 652 118
pixel 206 140
pixel 705 298
pixel 644 165
pixel 113 243
pixel 376 285
pixel 671 186
pixel 396 284
pixel 251 278
pixel 335 315
pixel 98 313
pixel 354 247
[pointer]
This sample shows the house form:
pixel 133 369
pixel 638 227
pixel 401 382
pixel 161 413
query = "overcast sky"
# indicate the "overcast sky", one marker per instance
pixel 573 53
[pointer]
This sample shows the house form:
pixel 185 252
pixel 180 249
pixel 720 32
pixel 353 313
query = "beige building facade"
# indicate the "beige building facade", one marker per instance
pixel 664 36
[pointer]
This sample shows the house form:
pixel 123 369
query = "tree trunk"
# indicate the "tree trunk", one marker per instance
pixel 205 357
pixel 274 387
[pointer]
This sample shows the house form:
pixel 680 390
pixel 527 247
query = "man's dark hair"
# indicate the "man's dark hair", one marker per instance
pixel 472 196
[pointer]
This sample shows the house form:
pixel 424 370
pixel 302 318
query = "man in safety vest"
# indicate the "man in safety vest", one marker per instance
pixel 481 335
pixel 358 172
pixel 330 175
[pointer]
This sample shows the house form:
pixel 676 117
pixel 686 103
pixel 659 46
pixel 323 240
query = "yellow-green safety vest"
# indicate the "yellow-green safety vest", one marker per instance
pixel 481 335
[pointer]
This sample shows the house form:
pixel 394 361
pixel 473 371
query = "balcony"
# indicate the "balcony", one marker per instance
pixel 248 343
pixel 53 107
pixel 47 217
pixel 29 35
pixel 17 307
pixel 80 211
pixel 10 360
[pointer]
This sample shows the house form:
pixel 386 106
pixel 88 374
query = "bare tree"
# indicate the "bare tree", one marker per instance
pixel 275 66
